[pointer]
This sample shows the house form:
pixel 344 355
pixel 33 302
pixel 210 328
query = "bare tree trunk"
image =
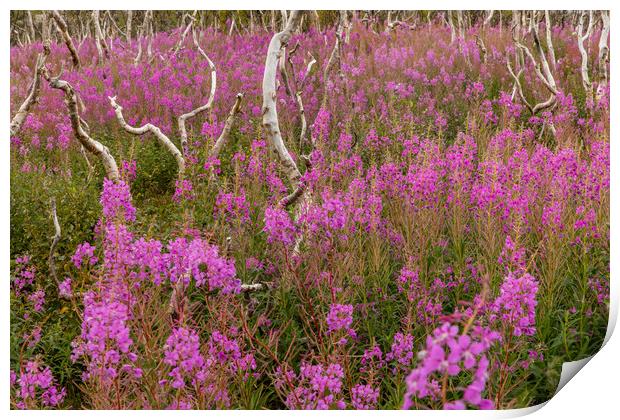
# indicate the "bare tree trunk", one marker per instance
pixel 603 54
pixel 581 38
pixel 541 69
pixel 159 135
pixel 64 31
pixel 81 132
pixel 33 95
pixel 30 24
pixel 128 26
pixel 549 41
pixel 488 19
pixel 98 36
pixel 188 28
pixel 270 113
pixel 151 34
pixel 299 101
pixel 452 28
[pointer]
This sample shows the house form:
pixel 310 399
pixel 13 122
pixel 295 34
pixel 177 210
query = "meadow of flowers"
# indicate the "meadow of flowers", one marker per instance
pixel 450 250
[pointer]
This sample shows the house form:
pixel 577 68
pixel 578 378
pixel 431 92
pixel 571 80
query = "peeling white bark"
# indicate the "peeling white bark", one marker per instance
pixel 102 48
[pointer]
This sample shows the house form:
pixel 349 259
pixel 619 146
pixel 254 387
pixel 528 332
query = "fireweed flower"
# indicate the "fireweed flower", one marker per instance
pixel 36 387
pixel 449 353
pixel 401 352
pixel 182 353
pixel 317 388
pixel 64 288
pixel 24 274
pixel 340 318
pixel 232 207
pixel 184 191
pixel 516 304
pixel 82 252
pixel 105 342
pixel 201 261
pixel 279 226
pixel 116 201
pixel 364 397
pixel 37 299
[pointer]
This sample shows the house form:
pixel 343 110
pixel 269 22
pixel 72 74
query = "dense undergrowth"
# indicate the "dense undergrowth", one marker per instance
pixel 454 254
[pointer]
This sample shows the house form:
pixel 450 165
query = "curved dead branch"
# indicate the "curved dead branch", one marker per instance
pixel 156 131
pixel 33 95
pixel 61 25
pixel 207 106
pixel 80 128
pixel 225 135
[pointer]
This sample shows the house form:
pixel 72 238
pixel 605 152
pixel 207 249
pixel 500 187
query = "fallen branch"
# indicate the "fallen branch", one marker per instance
pixel 156 131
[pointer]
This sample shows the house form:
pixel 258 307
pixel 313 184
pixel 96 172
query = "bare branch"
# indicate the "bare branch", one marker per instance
pixel 156 131
pixel 61 25
pixel 188 28
pixel 102 48
pixel 80 128
pixel 33 95
pixel 335 55
pixel 225 135
pixel 207 106
pixel 55 239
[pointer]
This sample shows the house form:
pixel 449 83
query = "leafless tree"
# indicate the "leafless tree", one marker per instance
pixel 541 69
